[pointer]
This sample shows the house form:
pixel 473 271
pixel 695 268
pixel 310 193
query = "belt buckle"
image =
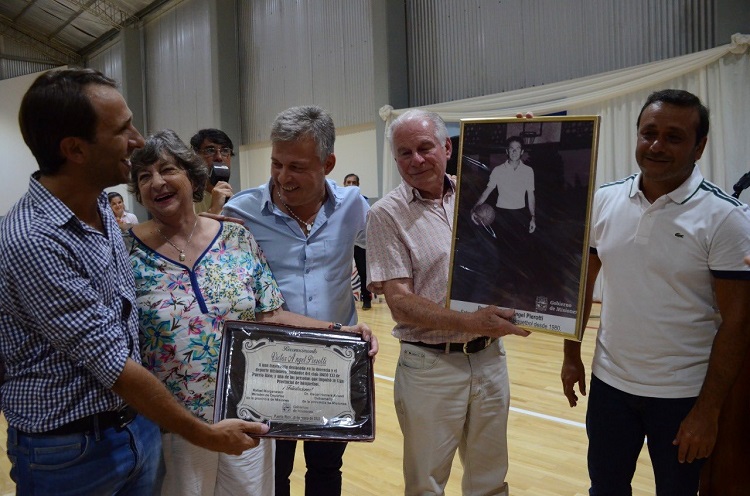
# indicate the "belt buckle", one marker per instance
pixel 124 416
pixel 466 350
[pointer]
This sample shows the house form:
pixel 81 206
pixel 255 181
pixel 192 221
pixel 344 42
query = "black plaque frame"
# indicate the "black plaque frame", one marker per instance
pixel 294 388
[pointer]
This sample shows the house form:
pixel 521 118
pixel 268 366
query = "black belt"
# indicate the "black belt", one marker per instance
pixel 101 421
pixel 472 346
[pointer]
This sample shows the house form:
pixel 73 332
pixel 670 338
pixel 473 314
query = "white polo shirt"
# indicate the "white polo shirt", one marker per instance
pixel 659 314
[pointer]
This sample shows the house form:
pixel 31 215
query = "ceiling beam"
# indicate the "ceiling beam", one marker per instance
pixel 70 19
pixel 111 14
pixel 154 7
pixel 54 51
pixel 25 9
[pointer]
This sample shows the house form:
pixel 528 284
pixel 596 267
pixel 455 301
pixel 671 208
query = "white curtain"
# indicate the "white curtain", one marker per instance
pixel 719 76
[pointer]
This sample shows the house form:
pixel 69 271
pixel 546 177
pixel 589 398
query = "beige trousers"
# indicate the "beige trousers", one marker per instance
pixel 194 471
pixel 446 402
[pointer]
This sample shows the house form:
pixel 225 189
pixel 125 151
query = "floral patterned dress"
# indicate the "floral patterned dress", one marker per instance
pixel 181 309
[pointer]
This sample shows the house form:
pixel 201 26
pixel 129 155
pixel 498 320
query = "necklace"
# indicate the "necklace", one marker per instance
pixel 182 251
pixel 308 225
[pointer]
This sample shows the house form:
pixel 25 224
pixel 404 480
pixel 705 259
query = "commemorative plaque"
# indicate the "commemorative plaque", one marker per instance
pixel 310 384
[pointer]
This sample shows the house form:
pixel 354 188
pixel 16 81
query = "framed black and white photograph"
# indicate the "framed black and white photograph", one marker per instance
pixel 521 222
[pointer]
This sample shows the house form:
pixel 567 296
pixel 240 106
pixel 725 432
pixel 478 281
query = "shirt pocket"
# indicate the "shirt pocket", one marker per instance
pixel 337 260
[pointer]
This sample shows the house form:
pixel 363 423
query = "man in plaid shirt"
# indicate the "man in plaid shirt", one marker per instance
pixel 68 328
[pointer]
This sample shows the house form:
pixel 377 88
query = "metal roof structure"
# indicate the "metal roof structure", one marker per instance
pixel 38 33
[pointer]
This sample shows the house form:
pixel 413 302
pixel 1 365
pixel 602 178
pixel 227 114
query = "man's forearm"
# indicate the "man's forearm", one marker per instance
pixel 484 196
pixel 593 267
pixel 532 203
pixel 141 390
pixel 730 344
pixel 728 353
pixel 415 310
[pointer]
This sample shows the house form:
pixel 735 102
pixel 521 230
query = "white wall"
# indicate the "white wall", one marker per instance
pixel 18 162
pixel 355 151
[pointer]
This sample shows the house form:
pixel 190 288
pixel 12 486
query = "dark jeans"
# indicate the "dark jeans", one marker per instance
pixel 360 261
pixel 324 460
pixel 617 422
pixel 111 461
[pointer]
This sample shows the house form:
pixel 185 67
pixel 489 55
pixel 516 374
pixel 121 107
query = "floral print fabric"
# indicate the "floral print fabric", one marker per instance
pixel 181 309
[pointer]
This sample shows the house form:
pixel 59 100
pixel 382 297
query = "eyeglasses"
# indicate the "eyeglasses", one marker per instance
pixel 210 151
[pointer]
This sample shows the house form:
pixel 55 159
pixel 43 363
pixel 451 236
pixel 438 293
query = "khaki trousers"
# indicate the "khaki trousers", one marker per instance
pixel 448 401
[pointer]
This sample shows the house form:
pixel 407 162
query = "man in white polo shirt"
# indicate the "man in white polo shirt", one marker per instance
pixel 675 321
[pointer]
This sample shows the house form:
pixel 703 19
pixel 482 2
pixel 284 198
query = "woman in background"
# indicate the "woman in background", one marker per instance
pixel 191 274
pixel 125 220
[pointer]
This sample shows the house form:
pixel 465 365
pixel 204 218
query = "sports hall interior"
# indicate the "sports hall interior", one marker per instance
pixel 234 64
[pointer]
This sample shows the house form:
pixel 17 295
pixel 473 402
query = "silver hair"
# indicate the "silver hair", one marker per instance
pixel 441 131
pixel 165 143
pixel 298 123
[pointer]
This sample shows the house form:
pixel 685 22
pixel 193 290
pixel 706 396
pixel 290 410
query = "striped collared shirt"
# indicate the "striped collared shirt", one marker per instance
pixel 67 319
pixel 410 237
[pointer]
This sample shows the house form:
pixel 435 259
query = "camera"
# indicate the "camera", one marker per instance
pixel 219 172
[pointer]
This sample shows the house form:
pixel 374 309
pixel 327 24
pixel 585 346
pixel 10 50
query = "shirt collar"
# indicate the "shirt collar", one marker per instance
pixel 508 165
pixel 58 212
pixel 334 196
pixel 52 206
pixel 679 195
pixel 413 194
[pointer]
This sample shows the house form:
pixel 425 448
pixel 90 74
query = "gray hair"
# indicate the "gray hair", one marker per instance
pixel 161 145
pixel 298 123
pixel 441 131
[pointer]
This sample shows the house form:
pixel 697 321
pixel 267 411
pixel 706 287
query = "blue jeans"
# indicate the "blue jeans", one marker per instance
pixel 111 461
pixel 617 422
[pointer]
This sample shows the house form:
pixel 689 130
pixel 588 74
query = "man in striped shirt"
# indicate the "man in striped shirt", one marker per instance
pixel 451 390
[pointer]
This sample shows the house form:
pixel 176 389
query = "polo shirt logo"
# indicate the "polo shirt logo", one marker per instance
pixel 679 235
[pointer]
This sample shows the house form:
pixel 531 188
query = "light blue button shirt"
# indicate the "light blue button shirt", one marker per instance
pixel 314 273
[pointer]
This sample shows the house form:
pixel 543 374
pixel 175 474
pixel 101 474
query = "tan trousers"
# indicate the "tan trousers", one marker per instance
pixel 453 401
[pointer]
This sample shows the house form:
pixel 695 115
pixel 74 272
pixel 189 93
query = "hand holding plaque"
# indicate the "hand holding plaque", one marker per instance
pixel 305 383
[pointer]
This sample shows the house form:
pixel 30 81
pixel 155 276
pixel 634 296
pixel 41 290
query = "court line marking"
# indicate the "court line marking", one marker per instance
pixel 530 413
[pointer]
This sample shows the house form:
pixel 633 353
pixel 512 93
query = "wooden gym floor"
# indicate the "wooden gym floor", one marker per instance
pixel 547 438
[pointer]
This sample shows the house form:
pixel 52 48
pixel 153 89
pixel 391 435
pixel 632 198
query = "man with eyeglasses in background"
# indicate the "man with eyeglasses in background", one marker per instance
pixel 217 150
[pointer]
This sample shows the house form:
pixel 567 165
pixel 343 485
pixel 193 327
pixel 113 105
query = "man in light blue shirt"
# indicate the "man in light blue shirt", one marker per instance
pixel 307 227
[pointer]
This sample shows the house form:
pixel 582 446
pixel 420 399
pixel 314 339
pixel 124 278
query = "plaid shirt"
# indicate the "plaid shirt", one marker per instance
pixel 67 319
